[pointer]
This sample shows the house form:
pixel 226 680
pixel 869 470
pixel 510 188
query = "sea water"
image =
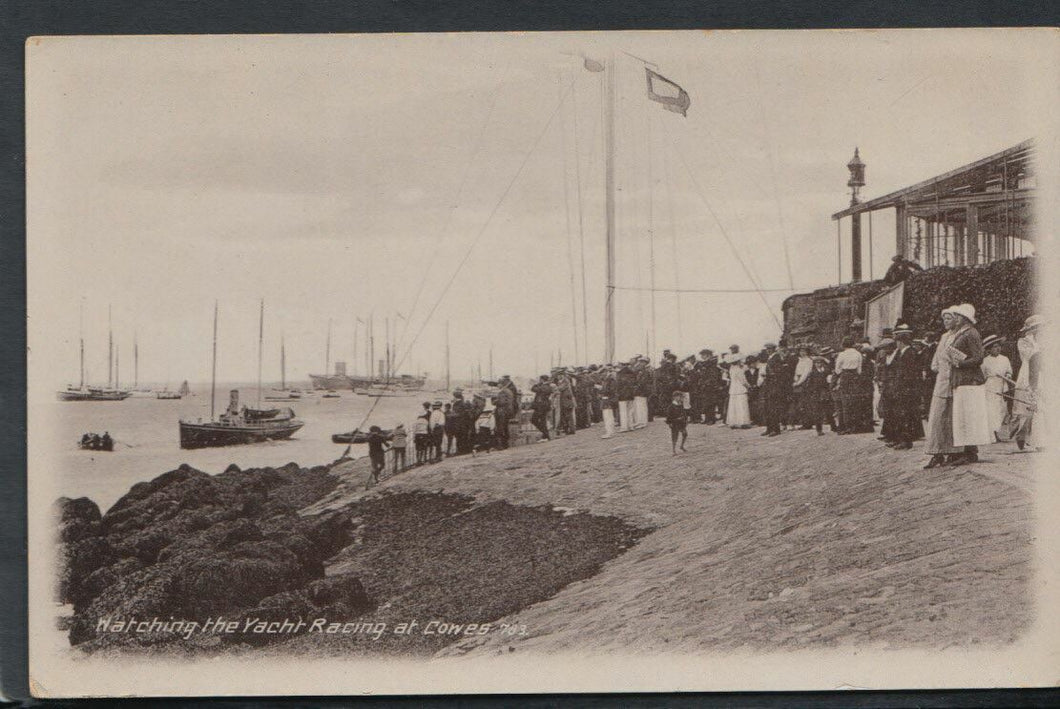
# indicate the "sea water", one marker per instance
pixel 147 438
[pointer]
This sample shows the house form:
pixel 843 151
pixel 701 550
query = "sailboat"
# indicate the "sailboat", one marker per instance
pixel 90 393
pixel 283 393
pixel 238 425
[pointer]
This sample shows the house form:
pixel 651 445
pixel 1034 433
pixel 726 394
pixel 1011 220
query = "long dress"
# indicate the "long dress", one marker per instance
pixel 994 369
pixel 940 416
pixel 739 412
pixel 1028 347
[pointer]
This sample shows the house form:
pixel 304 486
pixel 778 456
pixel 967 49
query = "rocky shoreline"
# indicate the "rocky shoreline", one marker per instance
pixel 205 563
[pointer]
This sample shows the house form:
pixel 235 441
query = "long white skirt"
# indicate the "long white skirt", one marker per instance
pixel 640 411
pixel 625 413
pixel 738 413
pixel 996 406
pixel 971 422
pixel 609 422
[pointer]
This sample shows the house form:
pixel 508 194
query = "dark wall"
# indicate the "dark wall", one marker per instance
pixel 1003 294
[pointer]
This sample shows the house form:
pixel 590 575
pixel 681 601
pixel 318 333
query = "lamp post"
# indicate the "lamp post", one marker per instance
pixel 856 182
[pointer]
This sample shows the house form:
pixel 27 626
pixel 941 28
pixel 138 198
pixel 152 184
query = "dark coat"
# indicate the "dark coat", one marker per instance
pixel 542 396
pixel 969 372
pixel 676 415
pixel 645 382
pixel 905 374
pixel 625 384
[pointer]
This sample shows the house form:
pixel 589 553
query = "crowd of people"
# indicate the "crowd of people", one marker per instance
pixel 952 389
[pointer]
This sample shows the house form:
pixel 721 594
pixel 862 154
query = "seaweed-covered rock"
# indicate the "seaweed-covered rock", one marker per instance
pixel 191 546
pixel 78 518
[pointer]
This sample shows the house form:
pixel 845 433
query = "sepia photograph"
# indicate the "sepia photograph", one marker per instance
pixel 541 362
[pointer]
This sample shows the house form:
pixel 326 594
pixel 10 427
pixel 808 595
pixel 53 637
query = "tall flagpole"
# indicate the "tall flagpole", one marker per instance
pixel 448 385
pixel 609 183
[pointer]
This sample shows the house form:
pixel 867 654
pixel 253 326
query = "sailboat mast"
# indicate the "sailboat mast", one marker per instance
pixel 609 184
pixel 386 349
pixel 283 366
pixel 213 376
pixel 110 350
pixel 81 335
pixel 261 340
pixel 371 346
pixel 491 362
pixel 448 386
pixel 327 351
pixel 355 365
pixel 136 362
pixel 117 368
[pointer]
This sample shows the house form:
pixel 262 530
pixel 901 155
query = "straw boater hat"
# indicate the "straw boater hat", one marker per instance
pixel 965 310
pixel 1032 323
pixel 902 329
pixel 992 340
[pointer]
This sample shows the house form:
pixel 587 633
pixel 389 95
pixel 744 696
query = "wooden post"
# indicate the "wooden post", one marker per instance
pixel 855 247
pixel 972 234
pixel 929 243
pixel 901 231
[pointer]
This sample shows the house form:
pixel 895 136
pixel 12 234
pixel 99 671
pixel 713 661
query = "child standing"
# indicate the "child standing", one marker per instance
pixel 677 420
pixel 420 438
pixel 399 440
pixel 817 394
pixel 376 453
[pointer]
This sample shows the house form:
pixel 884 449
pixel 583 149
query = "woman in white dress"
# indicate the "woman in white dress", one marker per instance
pixel 738 415
pixel 998 372
pixel 1023 404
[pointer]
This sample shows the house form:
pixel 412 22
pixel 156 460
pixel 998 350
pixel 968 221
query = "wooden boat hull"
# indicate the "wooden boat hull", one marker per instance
pixel 215 435
pixel 88 395
pixel 353 437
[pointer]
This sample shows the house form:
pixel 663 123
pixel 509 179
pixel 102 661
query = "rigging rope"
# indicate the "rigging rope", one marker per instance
pixel 651 231
pixel 673 246
pixel 773 175
pixel 713 290
pixel 570 253
pixel 475 241
pixel 480 140
pixel 581 226
pixel 721 228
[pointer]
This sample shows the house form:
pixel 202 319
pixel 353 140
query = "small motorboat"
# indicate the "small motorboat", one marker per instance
pixel 354 436
pixel 95 442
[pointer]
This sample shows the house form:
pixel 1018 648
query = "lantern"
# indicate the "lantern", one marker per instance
pixel 857 176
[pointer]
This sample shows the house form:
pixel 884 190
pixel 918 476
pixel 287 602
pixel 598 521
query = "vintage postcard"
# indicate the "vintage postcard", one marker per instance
pixel 542 362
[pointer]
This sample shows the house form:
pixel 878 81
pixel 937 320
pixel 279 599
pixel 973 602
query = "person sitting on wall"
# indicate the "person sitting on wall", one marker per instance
pixel 901 268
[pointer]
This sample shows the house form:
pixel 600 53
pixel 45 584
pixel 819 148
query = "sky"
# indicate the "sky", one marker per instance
pixel 458 178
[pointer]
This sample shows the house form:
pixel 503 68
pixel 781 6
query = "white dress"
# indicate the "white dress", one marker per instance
pixel 738 413
pixel 994 368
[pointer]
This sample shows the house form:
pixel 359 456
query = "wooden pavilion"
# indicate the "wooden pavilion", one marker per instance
pixel 979 213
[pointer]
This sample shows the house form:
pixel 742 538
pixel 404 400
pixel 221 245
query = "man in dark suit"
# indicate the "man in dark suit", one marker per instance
pixel 905 382
pixel 775 388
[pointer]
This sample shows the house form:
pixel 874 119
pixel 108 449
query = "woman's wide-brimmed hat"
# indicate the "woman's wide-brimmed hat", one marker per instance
pixel 965 310
pixel 1033 322
pixel 992 340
